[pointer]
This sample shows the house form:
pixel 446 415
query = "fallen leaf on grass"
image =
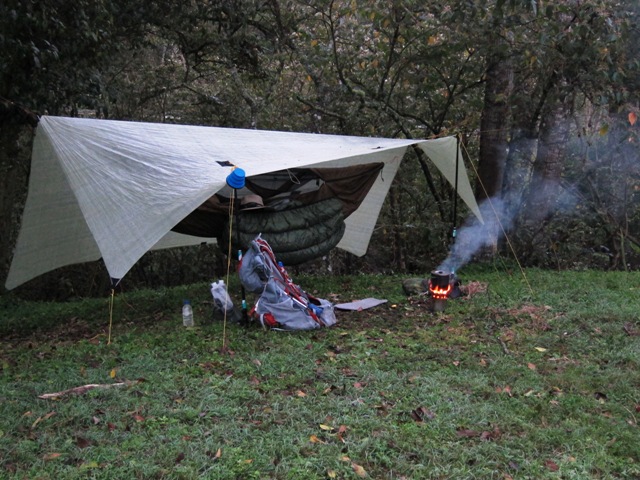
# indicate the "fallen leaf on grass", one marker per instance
pixel 51 456
pixel 532 366
pixel 329 389
pixel 541 349
pixel 494 434
pixel 315 439
pixel 179 458
pixel 508 335
pixel 473 288
pixel 40 419
pixel 506 389
pixel 112 373
pixel 422 413
pixel 327 428
pixel 82 442
pixel 341 432
pixel 301 394
pixel 551 465
pixel 359 469
pixel 215 456
pixel 466 433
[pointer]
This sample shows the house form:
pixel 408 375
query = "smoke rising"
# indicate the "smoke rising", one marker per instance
pixel 474 235
pixel 499 214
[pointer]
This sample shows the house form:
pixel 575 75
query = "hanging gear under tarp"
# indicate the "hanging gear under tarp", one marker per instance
pixel 300 212
pixel 297 234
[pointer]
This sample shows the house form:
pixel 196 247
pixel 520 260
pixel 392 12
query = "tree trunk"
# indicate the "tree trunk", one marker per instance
pixel 544 188
pixel 522 151
pixel 16 136
pixel 494 128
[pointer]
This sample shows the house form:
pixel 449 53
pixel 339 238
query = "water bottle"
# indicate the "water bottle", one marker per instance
pixel 187 314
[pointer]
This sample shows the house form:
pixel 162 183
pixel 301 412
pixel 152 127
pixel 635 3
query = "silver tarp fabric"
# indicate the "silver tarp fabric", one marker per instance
pixel 115 189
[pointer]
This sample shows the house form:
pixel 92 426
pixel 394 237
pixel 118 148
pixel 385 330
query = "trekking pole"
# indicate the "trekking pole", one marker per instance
pixel 455 193
pixel 236 180
pixel 245 315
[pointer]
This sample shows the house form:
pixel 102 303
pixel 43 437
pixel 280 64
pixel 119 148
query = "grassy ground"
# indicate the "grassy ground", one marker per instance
pixel 509 382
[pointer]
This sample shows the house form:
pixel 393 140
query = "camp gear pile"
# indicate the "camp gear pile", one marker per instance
pixel 282 304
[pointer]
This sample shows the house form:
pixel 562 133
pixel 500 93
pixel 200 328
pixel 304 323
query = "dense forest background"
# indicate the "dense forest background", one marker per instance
pixel 543 96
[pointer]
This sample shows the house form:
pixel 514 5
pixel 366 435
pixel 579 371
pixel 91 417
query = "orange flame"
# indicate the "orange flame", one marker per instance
pixel 440 293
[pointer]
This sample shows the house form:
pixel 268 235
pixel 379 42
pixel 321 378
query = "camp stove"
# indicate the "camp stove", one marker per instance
pixel 441 285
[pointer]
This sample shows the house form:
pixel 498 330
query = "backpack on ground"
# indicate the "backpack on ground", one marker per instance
pixel 282 304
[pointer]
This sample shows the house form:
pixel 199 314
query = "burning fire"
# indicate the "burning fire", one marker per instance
pixel 440 284
pixel 440 293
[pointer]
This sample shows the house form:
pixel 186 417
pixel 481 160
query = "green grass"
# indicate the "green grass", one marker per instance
pixel 512 382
